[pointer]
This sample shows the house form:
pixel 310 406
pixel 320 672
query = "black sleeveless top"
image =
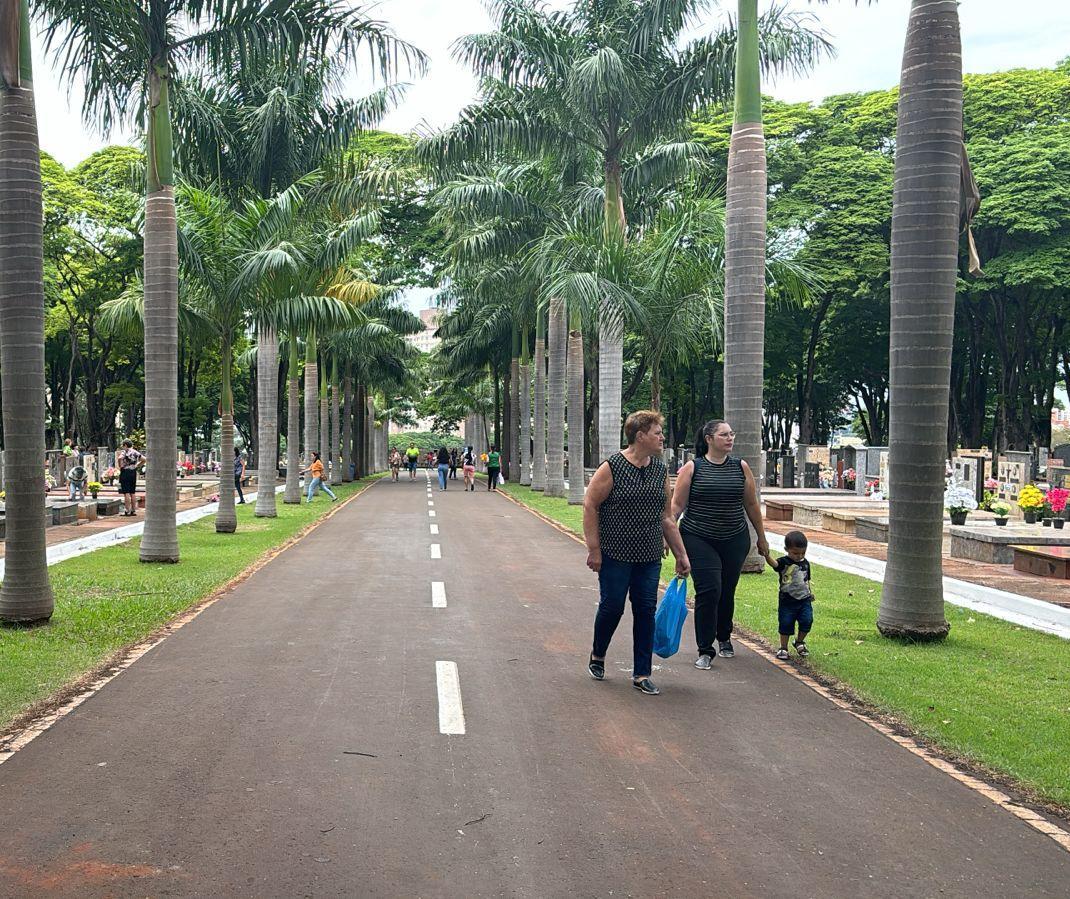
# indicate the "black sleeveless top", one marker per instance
pixel 715 503
pixel 629 521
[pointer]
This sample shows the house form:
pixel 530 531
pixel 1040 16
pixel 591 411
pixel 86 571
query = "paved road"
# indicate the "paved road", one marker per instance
pixel 287 743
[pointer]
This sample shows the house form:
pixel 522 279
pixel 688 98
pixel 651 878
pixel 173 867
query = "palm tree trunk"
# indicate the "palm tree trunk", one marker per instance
pixel 525 412
pixel 226 521
pixel 267 389
pixel 347 426
pixel 611 329
pixel 159 542
pixel 555 444
pixel 312 412
pixel 507 421
pixel 576 429
pixel 358 430
pixel 925 231
pixel 26 593
pixel 292 494
pixel 336 459
pixel 514 410
pixel 325 424
pixel 538 456
pixel 745 226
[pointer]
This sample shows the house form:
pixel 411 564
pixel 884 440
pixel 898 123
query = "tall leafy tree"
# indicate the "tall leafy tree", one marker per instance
pixel 127 53
pixel 26 593
pixel 607 81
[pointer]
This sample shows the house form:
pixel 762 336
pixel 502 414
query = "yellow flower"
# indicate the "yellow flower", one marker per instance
pixel 1031 497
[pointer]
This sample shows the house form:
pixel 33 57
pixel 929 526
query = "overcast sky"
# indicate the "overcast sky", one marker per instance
pixel 869 42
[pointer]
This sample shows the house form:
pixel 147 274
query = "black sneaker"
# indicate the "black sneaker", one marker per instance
pixel 704 662
pixel 726 649
pixel 597 668
pixel 646 685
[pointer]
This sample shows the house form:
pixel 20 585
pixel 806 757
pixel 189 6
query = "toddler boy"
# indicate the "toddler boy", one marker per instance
pixel 796 601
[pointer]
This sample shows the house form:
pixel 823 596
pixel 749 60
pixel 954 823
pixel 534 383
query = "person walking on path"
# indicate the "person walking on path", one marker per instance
pixel 469 468
pixel 494 467
pixel 315 470
pixel 412 456
pixel 128 460
pixel 395 464
pixel 795 604
pixel 239 475
pixel 718 492
pixel 443 466
pixel 627 521
pixel 453 464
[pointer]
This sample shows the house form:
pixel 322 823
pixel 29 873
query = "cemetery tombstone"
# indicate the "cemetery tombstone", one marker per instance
pixel 885 480
pixel 861 459
pixel 786 473
pixel 969 469
pixel 1013 476
pixel 812 475
pixel 800 463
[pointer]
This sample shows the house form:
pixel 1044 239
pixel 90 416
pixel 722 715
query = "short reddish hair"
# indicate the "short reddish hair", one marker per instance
pixel 641 421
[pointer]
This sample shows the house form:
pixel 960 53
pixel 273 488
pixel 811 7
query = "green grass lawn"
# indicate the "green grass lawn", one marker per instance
pixel 993 692
pixel 108 599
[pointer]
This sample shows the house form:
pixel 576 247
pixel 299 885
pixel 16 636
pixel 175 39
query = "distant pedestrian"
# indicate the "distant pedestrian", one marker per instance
pixel 68 447
pixel 443 457
pixel 412 456
pixel 469 468
pixel 494 467
pixel 395 464
pixel 718 492
pixel 239 474
pixel 453 464
pixel 626 524
pixel 128 459
pixel 795 600
pixel 315 480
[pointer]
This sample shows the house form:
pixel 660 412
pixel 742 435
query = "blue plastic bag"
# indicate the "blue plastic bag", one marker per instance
pixel 669 618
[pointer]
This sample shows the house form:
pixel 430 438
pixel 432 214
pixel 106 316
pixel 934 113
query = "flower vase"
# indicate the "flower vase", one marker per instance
pixel 1001 522
pixel 958 518
pixel 1046 522
pixel 1058 523
pixel 1030 516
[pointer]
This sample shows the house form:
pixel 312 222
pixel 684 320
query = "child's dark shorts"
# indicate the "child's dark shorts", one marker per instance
pixel 795 611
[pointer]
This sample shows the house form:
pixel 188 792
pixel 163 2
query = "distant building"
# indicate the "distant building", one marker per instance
pixel 1060 418
pixel 425 340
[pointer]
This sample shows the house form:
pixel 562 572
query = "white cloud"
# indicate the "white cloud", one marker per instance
pixel 869 41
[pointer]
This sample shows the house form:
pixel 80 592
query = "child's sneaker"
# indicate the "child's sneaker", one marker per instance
pixel 800 648
pixel 782 654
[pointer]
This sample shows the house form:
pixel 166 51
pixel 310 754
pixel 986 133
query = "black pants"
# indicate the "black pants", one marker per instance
pixel 492 478
pixel 237 486
pixel 453 472
pixel 715 568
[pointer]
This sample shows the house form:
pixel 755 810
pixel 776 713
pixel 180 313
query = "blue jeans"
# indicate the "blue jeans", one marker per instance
pixel 639 582
pixel 316 484
pixel 443 470
pixel 795 611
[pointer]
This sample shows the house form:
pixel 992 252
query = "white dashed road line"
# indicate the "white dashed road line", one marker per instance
pixel 438 595
pixel 436 551
pixel 430 513
pixel 450 710
pixel 434 530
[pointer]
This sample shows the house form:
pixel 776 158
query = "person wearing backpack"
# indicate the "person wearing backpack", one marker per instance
pixel 494 467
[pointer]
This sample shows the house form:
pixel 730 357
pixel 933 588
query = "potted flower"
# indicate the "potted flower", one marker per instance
pixel 94 488
pixel 110 474
pixel 959 502
pixel 1001 510
pixel 1031 501
pixel 1057 497
pixel 849 476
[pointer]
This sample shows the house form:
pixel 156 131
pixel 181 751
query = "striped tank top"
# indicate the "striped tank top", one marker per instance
pixel 715 503
pixel 629 521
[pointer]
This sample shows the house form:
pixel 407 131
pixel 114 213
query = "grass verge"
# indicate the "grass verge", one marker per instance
pixel 994 694
pixel 107 600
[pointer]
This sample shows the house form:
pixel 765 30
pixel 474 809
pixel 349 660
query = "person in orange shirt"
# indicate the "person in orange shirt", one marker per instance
pixel 315 470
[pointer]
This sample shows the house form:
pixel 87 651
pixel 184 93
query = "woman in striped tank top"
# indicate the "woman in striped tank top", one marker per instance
pixel 718 491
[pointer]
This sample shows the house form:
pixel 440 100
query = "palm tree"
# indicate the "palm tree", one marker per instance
pixel 538 472
pixel 555 427
pixel 336 462
pixel 127 55
pixel 525 411
pixel 577 484
pixel 26 593
pixel 925 235
pixel 608 80
pixel 312 415
pixel 292 493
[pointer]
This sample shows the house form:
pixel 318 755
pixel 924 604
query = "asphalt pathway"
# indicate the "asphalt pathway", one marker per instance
pixel 365 716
